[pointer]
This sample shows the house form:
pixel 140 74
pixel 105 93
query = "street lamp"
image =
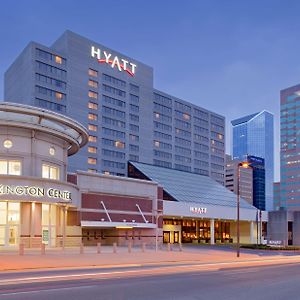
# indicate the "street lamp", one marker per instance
pixel 240 165
pixel 158 214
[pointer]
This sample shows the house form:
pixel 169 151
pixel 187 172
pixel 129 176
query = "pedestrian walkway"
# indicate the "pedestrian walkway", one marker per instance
pixel 71 257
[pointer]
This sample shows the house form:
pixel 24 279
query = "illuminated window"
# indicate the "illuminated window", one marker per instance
pixel 92 170
pixel 7 144
pixel 93 73
pixel 10 167
pixel 157 115
pixel 92 149
pixel 106 172
pixel 58 59
pixel 92 117
pixel 186 116
pixel 52 151
pixel 220 136
pixel 93 84
pixel 92 161
pixel 119 144
pixel 92 139
pixel 92 127
pixel 50 172
pixel 156 143
pixel 58 95
pixel 93 95
pixel 92 105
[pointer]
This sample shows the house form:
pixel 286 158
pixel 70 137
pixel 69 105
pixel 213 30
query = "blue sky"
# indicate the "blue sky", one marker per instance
pixel 232 57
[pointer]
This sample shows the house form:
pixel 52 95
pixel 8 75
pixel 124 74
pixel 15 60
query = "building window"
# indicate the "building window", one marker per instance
pixel 119 144
pixel 93 83
pixel 10 167
pixel 50 172
pixel 52 151
pixel 133 138
pixel 92 139
pixel 58 59
pixel 93 95
pixel 58 96
pixel 92 170
pixel 93 73
pixel 92 117
pixel 92 127
pixel 7 144
pixel 92 149
pixel 92 161
pixel 92 105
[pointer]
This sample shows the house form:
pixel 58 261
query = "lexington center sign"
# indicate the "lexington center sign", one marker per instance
pixel 121 63
pixel 35 191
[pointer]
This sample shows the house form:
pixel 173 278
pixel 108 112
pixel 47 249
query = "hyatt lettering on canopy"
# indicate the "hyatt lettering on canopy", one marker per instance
pixel 121 63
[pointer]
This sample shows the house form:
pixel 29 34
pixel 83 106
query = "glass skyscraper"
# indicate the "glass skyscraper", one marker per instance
pixel 254 135
pixel 289 196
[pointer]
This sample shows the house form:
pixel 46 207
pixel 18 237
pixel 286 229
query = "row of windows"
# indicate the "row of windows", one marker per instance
pixel 134 148
pixel 217 120
pixel 182 115
pixel 201 163
pixel 113 122
pixel 112 132
pixel 200 122
pixel 50 105
pixel 200 113
pixel 14 167
pixel 134 108
pixel 182 124
pixel 93 83
pixel 217 159
pixel 182 107
pixel 182 168
pixel 134 128
pixel 113 112
pixel 114 91
pixel 162 109
pixel 199 129
pixel 161 117
pixel 201 147
pixel 162 126
pixel 50 80
pixel 217 135
pixel 162 154
pixel 183 133
pixel 134 118
pixel 202 155
pixel 50 93
pixel 217 143
pixel 162 99
pixel 162 145
pixel 51 69
pixel 162 163
pixel 115 154
pixel 183 159
pixel 114 80
pixel 113 101
pixel 113 164
pixel 113 143
pixel 134 88
pixel 182 150
pixel 162 135
pixel 183 142
pixel 51 57
pixel 200 138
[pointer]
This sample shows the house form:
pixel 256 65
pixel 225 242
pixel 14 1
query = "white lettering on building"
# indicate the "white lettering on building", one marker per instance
pixel 34 191
pixel 198 210
pixel 106 57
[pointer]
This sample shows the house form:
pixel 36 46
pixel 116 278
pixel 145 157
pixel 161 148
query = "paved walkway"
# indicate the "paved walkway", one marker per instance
pixel 71 257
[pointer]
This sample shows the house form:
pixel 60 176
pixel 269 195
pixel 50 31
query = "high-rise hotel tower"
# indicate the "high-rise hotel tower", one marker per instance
pixel 113 96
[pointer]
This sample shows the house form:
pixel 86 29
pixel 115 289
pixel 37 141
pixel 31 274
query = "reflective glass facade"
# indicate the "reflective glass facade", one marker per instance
pixel 254 135
pixel 289 149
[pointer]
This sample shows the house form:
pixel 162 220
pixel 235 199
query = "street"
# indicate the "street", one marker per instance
pixel 176 281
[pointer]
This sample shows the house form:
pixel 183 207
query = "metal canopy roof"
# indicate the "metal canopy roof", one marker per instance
pixel 191 187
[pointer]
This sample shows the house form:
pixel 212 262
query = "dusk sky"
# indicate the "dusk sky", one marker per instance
pixel 231 57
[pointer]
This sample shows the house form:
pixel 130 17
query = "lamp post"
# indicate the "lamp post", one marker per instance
pixel 158 214
pixel 240 165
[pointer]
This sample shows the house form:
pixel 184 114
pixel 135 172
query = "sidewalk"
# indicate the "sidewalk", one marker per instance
pixel 71 257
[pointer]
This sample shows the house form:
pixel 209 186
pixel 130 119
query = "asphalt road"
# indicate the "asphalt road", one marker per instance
pixel 184 282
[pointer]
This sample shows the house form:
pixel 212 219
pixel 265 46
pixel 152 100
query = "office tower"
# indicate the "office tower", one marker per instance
pixel 253 135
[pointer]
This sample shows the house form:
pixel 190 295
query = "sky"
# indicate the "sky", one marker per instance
pixel 231 57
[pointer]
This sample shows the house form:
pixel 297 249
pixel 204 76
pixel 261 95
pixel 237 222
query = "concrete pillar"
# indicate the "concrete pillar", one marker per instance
pixel 212 231
pixel 197 229
pixel 64 227
pixel 252 239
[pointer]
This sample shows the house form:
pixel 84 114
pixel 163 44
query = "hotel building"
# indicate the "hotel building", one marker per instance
pixel 113 96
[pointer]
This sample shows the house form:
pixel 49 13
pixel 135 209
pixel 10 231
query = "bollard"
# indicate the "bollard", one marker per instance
pixel 180 247
pixel 98 248
pixel 169 247
pixel 43 249
pixel 129 247
pixel 21 249
pixel 114 247
pixel 143 247
pixel 81 248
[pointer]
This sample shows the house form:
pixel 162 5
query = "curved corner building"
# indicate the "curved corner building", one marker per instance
pixel 35 196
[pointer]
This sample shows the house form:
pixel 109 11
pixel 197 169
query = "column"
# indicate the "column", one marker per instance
pixel 64 226
pixel 252 241
pixel 197 229
pixel 212 231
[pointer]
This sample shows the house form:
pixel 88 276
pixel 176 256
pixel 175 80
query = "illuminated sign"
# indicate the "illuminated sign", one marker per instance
pixel 198 210
pixel 34 191
pixel 121 63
